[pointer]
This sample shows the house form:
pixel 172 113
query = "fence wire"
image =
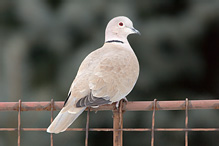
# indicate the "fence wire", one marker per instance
pixel 117 116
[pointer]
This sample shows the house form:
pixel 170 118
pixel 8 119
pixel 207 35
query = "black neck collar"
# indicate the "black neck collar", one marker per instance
pixel 114 41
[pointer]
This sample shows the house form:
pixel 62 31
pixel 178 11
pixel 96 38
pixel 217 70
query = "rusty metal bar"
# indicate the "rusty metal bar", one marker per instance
pixel 121 121
pixel 130 106
pixel 186 122
pixel 124 129
pixel 115 127
pixel 51 135
pixel 153 121
pixel 87 127
pixel 19 124
pixel 117 123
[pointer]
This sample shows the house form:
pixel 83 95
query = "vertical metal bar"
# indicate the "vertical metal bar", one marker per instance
pixel 51 135
pixel 186 121
pixel 153 121
pixel 121 121
pixel 87 127
pixel 19 124
pixel 117 125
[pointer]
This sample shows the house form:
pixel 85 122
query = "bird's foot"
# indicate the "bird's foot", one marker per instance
pixel 125 99
pixel 117 103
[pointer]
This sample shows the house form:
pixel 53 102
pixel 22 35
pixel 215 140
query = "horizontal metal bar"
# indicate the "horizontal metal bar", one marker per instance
pixel 129 106
pixel 30 106
pixel 111 129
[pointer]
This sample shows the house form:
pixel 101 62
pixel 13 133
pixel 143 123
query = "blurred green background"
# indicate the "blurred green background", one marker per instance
pixel 42 43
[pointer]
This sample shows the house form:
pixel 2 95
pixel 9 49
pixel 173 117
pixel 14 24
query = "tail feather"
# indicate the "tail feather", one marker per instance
pixel 63 120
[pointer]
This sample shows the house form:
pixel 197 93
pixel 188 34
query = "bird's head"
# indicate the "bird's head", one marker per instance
pixel 119 28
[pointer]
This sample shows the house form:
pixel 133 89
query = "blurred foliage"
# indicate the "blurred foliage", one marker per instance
pixel 42 44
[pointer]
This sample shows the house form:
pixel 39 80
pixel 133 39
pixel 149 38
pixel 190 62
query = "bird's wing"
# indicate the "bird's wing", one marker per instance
pixel 103 82
pixel 113 78
pixel 105 76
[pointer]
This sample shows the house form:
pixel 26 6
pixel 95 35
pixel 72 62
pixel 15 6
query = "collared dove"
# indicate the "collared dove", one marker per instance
pixel 105 76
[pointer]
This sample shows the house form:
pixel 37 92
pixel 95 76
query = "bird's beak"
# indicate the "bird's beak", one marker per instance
pixel 135 31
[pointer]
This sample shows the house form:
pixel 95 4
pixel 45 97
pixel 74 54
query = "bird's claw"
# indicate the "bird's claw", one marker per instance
pixel 125 99
pixel 117 103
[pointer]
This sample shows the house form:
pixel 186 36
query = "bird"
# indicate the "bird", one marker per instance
pixel 105 76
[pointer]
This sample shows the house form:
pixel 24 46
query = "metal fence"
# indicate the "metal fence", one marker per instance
pixel 117 116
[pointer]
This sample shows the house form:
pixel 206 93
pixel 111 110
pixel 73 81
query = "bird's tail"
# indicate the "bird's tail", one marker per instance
pixel 64 119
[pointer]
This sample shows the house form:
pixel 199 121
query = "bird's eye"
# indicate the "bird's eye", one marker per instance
pixel 121 24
